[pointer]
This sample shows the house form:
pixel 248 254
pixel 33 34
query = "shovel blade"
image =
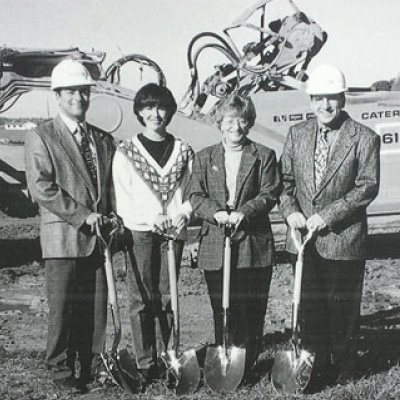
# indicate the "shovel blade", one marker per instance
pixel 189 373
pixel 112 369
pixel 128 371
pixel 224 367
pixel 291 371
pixel 126 378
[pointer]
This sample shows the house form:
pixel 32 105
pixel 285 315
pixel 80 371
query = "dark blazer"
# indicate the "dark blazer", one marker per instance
pixel 257 190
pixel 350 184
pixel 58 180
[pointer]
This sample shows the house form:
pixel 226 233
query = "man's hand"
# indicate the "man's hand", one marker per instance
pixel 222 217
pixel 94 219
pixel 162 223
pixel 315 223
pixel 179 222
pixel 235 218
pixel 296 220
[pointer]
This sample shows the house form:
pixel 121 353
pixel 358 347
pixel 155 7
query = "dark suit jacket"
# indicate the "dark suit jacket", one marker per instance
pixel 258 187
pixel 58 180
pixel 350 184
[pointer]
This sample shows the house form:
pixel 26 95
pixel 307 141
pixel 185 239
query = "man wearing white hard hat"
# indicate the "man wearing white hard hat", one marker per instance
pixel 68 168
pixel 330 172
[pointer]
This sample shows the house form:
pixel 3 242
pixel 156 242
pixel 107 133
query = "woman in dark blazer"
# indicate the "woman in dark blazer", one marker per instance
pixel 237 181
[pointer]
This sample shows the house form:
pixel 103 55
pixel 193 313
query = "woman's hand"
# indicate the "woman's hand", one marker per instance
pixel 162 222
pixel 179 222
pixel 235 218
pixel 222 218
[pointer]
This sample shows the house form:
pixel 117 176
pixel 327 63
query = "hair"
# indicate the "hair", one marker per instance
pixel 242 105
pixel 152 95
pixel 343 99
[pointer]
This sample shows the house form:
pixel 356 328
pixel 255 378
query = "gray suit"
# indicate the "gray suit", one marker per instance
pixel 334 265
pixel 59 181
pixel 350 184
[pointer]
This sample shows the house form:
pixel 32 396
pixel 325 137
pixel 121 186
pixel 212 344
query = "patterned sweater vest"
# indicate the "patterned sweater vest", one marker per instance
pixel 163 187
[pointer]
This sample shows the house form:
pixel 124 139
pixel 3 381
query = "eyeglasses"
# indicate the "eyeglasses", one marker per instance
pixel 243 123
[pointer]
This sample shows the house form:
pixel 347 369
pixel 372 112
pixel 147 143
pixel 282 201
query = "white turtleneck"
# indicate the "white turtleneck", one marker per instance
pixel 233 156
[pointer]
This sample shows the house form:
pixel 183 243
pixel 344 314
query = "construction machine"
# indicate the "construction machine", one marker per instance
pixel 263 54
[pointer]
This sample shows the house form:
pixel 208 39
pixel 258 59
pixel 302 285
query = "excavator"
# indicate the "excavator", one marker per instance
pixel 276 59
pixel 263 54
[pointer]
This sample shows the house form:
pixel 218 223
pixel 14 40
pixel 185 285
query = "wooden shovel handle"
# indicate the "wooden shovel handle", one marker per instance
pixel 172 276
pixel 298 273
pixel 226 270
pixel 112 291
pixel 300 244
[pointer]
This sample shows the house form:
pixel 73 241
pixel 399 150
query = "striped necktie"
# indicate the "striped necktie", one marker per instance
pixel 87 154
pixel 321 156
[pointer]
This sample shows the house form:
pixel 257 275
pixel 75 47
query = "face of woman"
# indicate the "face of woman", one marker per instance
pixel 154 117
pixel 234 128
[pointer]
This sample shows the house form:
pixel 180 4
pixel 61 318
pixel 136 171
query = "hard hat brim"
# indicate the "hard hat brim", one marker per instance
pixel 325 92
pixel 75 85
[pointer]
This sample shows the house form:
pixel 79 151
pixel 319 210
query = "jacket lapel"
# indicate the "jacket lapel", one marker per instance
pixel 102 158
pixel 344 143
pixel 308 132
pixel 218 172
pixel 71 149
pixel 247 162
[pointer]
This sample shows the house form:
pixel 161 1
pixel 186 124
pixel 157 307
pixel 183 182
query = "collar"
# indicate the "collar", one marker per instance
pixel 232 149
pixel 71 124
pixel 336 125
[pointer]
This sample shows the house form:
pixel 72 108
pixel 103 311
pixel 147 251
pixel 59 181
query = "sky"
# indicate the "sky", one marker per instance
pixel 363 35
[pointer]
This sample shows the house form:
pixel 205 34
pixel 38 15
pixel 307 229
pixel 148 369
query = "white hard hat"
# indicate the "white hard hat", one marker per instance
pixel 326 79
pixel 70 73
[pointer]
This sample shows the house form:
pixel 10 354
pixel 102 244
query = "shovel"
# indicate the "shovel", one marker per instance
pixel 183 367
pixel 292 369
pixel 118 363
pixel 224 366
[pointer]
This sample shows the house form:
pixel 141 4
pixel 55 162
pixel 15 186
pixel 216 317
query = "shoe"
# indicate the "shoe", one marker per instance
pixel 150 374
pixel 99 373
pixel 346 371
pixel 69 384
pixel 321 378
pixel 344 376
pixel 147 376
pixel 93 383
pixel 96 386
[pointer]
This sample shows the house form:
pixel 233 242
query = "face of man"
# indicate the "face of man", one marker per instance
pixel 327 107
pixel 74 101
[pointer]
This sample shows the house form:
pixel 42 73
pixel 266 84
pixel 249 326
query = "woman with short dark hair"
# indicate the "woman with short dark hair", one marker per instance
pixel 150 173
pixel 152 95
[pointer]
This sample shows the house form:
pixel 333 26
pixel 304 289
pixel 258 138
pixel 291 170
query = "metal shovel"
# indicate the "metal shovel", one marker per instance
pixel 183 367
pixel 292 368
pixel 118 363
pixel 224 366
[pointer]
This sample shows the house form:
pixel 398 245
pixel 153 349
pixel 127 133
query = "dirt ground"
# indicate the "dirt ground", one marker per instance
pixel 23 306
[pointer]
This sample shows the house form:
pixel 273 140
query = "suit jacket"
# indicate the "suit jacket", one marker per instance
pixel 59 182
pixel 257 190
pixel 350 184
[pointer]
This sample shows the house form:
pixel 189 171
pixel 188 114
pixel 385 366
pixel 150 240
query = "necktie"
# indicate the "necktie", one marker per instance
pixel 88 155
pixel 321 156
